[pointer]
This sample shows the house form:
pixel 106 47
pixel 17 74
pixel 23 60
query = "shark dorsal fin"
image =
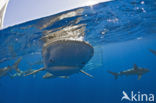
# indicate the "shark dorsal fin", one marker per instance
pixel 135 67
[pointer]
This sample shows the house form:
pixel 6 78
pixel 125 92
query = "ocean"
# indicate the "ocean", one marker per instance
pixel 122 33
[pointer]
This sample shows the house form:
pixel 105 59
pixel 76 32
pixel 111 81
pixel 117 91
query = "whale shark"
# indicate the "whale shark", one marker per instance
pixel 134 71
pixel 6 70
pixel 62 58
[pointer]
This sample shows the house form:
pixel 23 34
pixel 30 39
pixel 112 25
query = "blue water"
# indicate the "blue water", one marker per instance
pixel 121 32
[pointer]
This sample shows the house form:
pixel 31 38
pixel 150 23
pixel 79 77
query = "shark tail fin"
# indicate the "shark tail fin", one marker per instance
pixel 115 74
pixel 15 65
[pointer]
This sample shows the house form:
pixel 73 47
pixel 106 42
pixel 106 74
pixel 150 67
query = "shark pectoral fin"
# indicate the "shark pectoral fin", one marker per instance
pixel 65 77
pixel 82 71
pixel 139 77
pixel 48 75
pixel 35 71
pixel 135 67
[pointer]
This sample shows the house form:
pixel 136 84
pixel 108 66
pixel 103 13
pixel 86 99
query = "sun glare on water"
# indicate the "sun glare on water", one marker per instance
pixel 93 2
pixel 90 2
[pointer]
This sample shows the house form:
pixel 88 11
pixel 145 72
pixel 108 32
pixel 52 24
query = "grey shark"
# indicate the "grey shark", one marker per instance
pixel 153 51
pixel 63 58
pixel 134 71
pixel 6 70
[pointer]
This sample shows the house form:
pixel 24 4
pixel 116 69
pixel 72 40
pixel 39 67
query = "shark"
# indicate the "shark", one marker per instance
pixel 6 70
pixel 153 51
pixel 134 71
pixel 62 58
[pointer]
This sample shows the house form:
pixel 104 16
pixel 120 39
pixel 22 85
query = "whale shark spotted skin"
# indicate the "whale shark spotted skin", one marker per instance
pixel 63 58
pixel 134 71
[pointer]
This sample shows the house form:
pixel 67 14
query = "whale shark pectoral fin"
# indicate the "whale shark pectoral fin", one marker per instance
pixel 82 71
pixel 139 77
pixel 48 75
pixel 135 67
pixel 35 71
